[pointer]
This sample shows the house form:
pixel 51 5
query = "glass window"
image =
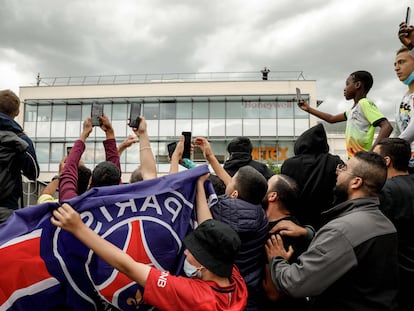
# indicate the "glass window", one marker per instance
pixel 73 128
pixel 217 108
pixel 56 152
pixel 73 112
pixel 200 110
pixel 251 107
pixel 30 113
pixel 108 110
pixel 119 111
pixel 58 112
pixel 42 152
pixel 151 111
pixel 268 107
pixel 268 127
pixel 200 128
pixel 251 127
pixel 184 110
pixel 301 125
pixel 285 109
pixel 234 108
pixel 233 127
pixel 167 111
pixel 44 113
pixel 152 128
pixel 217 127
pixel 285 127
pixel 89 154
pixel 58 129
pixel 43 129
pixel 132 155
pixel 182 126
pixel 86 110
pixel 30 128
pixel 167 128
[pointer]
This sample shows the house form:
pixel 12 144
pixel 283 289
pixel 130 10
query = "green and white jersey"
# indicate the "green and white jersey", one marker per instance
pixel 360 126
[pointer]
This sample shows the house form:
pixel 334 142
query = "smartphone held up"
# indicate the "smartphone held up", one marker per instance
pixel 408 16
pixel 96 112
pixel 134 115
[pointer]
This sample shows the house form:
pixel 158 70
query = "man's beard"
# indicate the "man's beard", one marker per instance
pixel 340 193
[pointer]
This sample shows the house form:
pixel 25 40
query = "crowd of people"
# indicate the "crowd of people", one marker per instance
pixel 323 234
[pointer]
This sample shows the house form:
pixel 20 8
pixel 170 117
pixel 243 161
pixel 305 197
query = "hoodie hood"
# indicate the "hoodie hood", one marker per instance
pixel 312 141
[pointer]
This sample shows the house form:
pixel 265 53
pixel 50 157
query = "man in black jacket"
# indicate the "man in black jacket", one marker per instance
pixel 25 161
pixel 240 150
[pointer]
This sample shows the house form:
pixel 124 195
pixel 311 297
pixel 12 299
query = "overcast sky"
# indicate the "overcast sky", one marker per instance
pixel 326 39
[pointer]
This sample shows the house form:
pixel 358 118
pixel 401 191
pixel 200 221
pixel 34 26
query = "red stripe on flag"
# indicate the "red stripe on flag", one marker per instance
pixel 21 265
pixel 137 251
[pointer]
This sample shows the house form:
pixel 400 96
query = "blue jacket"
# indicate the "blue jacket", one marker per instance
pixel 250 222
pixel 28 165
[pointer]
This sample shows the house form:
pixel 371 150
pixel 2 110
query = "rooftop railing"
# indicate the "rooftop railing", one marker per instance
pixel 167 77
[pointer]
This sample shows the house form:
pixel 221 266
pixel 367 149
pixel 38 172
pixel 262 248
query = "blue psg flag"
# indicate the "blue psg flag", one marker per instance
pixel 47 268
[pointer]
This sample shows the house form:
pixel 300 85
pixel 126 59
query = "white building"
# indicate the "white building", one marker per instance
pixel 217 106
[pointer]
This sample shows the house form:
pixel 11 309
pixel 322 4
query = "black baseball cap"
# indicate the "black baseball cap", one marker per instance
pixel 215 245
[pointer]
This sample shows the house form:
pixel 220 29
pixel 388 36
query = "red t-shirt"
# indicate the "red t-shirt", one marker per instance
pixel 169 292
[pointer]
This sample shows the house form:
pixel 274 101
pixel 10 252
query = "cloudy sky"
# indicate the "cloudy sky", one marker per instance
pixel 326 39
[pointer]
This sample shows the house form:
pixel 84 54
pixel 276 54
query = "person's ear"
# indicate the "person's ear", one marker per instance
pixel 235 194
pixel 272 196
pixel 358 84
pixel 387 161
pixel 356 182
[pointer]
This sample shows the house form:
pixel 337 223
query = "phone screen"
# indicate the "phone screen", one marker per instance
pixel 171 147
pixel 298 95
pixel 134 115
pixel 187 145
pixel 408 16
pixel 96 112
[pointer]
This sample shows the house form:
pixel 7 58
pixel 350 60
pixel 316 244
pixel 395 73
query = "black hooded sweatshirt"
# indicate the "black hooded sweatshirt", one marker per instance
pixel 314 169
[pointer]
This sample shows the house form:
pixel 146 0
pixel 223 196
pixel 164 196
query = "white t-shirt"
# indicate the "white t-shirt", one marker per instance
pixel 404 120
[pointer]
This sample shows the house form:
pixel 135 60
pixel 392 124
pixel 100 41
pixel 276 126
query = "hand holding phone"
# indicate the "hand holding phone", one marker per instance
pixel 299 97
pixel 96 112
pixel 187 145
pixel 134 115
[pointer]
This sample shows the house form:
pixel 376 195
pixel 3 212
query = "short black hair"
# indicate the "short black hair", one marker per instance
pixel 250 184
pixel 372 169
pixel 240 144
pixel 105 174
pixel 365 77
pixel 84 174
pixel 399 151
pixel 287 190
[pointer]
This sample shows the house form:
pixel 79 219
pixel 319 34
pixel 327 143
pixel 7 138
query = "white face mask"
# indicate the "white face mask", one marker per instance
pixel 192 271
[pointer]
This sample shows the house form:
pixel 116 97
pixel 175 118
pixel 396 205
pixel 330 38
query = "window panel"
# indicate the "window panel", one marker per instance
pixel 217 127
pixel 234 109
pixel 58 112
pixel 43 129
pixel 200 110
pixel 251 127
pixel 182 126
pixel 73 112
pixel 234 127
pixel 151 111
pixel 119 111
pixel 58 129
pixel 200 128
pixel 268 127
pixel 42 152
pixel 184 110
pixel 73 129
pixel 217 109
pixel 30 113
pixel 56 152
pixel 44 113
pixel 285 127
pixel 167 111
pixel 167 128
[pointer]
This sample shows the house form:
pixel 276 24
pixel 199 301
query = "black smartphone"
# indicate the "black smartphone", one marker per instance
pixel 134 114
pixel 171 147
pixel 96 112
pixel 408 16
pixel 187 145
pixel 68 149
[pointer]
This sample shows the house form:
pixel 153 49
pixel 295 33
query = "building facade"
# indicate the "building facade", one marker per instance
pixel 265 111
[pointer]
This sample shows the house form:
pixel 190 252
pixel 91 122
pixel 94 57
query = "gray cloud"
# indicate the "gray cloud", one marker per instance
pixel 326 39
